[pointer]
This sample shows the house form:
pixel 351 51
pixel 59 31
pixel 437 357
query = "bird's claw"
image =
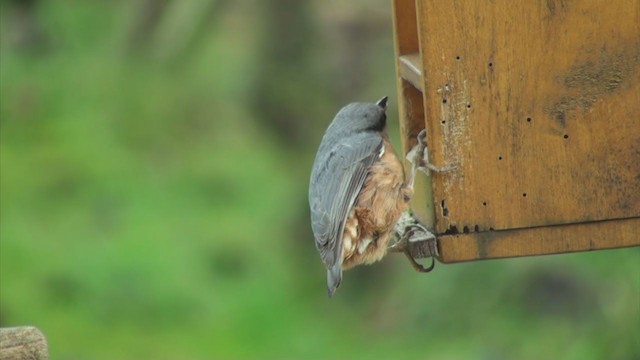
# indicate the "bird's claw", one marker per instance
pixel 417 242
pixel 417 154
pixel 419 157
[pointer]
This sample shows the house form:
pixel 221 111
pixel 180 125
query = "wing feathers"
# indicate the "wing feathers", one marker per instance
pixel 335 185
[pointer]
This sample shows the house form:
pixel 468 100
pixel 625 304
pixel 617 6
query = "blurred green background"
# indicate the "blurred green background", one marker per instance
pixel 155 157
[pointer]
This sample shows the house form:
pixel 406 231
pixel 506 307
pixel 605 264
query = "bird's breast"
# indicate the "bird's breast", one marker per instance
pixel 378 207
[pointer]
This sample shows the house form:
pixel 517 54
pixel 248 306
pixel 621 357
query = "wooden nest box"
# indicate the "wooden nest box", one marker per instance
pixel 537 105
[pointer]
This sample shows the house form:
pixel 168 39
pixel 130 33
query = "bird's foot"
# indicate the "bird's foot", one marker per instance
pixel 415 241
pixel 418 156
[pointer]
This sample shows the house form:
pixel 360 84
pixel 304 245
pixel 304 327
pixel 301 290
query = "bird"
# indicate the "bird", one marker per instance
pixel 357 190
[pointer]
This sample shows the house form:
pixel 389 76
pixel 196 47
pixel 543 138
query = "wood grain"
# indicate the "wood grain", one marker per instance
pixel 539 241
pixel 23 343
pixel 537 105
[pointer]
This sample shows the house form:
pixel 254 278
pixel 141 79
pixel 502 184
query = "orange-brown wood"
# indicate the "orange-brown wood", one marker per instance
pixel 539 241
pixel 537 104
pixel 410 99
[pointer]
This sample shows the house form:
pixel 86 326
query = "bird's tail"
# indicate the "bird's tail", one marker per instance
pixel 334 277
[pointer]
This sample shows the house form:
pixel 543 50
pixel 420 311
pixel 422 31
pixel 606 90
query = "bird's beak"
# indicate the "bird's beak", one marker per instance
pixel 383 102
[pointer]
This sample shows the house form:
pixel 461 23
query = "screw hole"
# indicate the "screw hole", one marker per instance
pixel 468 106
pixel 445 211
pixel 457 57
pixel 444 101
pixel 484 203
pixel 524 194
pixel 490 64
pixel 528 119
pixel 566 136
pixel 499 157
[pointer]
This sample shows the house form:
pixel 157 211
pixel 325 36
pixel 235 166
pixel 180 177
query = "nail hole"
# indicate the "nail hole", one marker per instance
pixel 528 119
pixel 490 64
pixel 524 194
pixel 445 211
pixel 444 101
pixel 443 122
pixel 484 203
pixel 452 230
pixel 468 106
pixel 566 136
pixel 457 57
pixel 499 157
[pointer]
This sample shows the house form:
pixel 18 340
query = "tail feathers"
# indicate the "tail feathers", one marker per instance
pixel 334 277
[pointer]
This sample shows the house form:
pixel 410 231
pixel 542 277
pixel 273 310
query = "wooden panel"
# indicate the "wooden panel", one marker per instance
pixel 537 103
pixel 405 27
pixel 540 241
pixel 411 111
pixel 410 99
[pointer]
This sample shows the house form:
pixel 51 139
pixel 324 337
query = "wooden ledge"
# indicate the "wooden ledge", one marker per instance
pixel 410 69
pixel 540 240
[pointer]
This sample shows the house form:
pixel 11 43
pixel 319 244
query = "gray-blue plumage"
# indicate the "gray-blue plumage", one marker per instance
pixel 351 144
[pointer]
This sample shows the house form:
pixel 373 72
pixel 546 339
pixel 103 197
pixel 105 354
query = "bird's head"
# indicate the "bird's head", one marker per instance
pixel 359 117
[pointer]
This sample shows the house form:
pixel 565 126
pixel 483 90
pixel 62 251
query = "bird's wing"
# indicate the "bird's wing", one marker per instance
pixel 335 184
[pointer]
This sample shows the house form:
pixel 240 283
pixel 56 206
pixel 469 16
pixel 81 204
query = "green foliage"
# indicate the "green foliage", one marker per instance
pixel 145 213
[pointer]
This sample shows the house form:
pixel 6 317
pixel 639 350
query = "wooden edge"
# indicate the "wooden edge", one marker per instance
pixel 26 342
pixel 410 69
pixel 546 240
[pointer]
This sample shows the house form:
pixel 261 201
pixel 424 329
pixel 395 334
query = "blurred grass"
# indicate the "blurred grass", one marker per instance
pixel 144 214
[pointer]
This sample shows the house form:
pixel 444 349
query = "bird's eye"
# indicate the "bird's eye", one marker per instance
pixel 379 124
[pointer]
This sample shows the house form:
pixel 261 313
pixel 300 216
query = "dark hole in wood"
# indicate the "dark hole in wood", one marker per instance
pixel 468 106
pixel 528 119
pixel 524 194
pixel 445 211
pixel 444 101
pixel 499 157
pixel 443 122
pixel 566 136
pixel 476 228
pixel 490 64
pixel 457 57
pixel 452 230
pixel 465 229
pixel 484 203
pixel 490 229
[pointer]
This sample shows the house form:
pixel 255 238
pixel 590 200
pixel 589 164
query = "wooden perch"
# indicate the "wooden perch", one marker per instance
pixel 23 343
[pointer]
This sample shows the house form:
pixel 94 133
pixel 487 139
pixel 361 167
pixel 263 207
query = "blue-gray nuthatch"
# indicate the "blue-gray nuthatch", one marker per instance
pixel 357 190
